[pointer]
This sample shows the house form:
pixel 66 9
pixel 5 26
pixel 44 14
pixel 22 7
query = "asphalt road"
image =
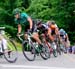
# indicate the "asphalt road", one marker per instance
pixel 65 61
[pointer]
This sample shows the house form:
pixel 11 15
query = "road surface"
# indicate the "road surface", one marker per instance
pixel 65 61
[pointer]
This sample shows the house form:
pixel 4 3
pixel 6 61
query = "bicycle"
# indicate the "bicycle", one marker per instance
pixel 52 46
pixel 30 48
pixel 8 48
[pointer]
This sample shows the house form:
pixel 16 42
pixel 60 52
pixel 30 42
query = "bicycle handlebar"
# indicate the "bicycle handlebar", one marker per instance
pixel 19 36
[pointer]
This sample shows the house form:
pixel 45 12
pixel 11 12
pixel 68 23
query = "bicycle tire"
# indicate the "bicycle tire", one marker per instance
pixel 55 54
pixel 58 46
pixel 11 54
pixel 45 54
pixel 26 52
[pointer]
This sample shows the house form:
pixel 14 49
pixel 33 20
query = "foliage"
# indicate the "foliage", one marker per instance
pixel 62 11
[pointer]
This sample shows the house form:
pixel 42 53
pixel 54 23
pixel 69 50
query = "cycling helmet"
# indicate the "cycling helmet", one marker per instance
pixel 52 22
pixel 61 30
pixel 39 22
pixel 16 11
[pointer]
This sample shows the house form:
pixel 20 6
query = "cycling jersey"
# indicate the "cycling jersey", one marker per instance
pixel 22 19
pixel 43 29
pixel 53 27
pixel 24 22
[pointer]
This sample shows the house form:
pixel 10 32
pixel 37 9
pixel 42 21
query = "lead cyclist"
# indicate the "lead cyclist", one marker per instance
pixel 22 19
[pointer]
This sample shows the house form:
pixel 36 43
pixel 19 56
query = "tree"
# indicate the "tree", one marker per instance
pixel 26 3
pixel 62 11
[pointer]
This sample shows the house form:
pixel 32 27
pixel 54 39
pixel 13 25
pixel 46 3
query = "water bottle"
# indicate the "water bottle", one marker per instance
pixel 35 44
pixel 54 45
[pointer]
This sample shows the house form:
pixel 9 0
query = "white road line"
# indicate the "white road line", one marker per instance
pixel 37 67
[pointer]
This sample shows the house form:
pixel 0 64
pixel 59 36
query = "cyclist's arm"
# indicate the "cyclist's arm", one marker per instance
pixel 57 31
pixel 30 22
pixel 49 31
pixel 18 25
pixel 19 28
pixel 67 36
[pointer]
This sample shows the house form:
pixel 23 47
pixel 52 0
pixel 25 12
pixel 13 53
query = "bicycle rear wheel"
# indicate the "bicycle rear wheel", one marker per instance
pixel 28 51
pixel 54 47
pixel 10 51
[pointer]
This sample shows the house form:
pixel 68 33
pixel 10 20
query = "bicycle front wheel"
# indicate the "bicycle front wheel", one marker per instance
pixel 28 51
pixel 10 51
pixel 55 53
pixel 45 54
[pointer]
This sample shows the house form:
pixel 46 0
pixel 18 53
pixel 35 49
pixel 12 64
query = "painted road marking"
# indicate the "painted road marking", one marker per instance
pixel 34 67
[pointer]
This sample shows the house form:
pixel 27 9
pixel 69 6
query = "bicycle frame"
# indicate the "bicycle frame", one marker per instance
pixel 8 47
pixel 29 38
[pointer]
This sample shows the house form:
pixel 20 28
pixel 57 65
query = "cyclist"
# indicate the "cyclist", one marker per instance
pixel 64 37
pixel 55 34
pixel 54 29
pixel 63 34
pixel 44 29
pixel 21 18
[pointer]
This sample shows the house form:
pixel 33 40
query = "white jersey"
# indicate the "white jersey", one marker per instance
pixel 44 25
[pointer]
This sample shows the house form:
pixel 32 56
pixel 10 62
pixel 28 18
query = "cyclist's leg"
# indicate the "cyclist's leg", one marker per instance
pixel 36 37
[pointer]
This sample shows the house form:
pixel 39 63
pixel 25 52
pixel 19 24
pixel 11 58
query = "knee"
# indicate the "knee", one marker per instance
pixel 35 35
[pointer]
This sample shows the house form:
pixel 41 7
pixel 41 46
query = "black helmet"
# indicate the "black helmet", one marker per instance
pixel 39 22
